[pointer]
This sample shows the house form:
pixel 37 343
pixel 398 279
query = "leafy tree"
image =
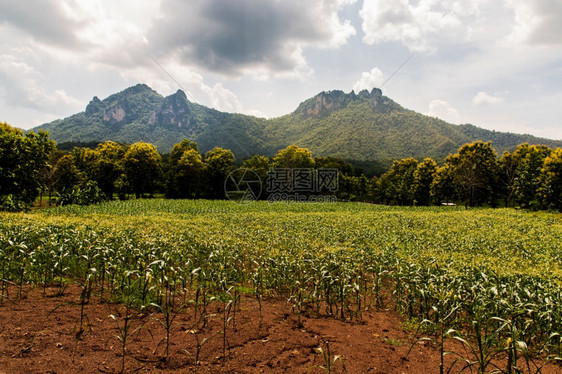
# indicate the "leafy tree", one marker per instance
pixel 143 167
pixel 22 158
pixel 443 186
pixel 551 178
pixel 507 174
pixel 108 169
pixel 293 157
pixel 188 173
pixel 423 179
pixel 527 180
pixel 354 188
pixel 48 175
pixel 66 174
pixel 85 160
pixel 259 165
pixel 395 186
pixel 218 163
pixel 180 148
pixel 183 177
pixel 475 172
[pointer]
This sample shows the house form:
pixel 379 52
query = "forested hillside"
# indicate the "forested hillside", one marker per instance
pixel 366 126
pixel 141 114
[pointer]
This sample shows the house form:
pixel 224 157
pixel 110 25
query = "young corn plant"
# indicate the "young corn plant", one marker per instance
pixel 442 314
pixel 258 287
pixel 84 300
pixel 126 321
pixel 484 350
pixel 125 331
pixel 169 315
pixel 329 360
pixel 199 344
pixel 227 300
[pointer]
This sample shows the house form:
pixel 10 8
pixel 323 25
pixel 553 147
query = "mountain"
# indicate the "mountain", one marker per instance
pixel 364 126
pixel 370 126
pixel 141 114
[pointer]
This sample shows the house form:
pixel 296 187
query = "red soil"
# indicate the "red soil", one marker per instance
pixel 38 335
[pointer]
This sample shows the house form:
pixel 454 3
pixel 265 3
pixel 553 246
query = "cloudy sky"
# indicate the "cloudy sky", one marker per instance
pixel 493 63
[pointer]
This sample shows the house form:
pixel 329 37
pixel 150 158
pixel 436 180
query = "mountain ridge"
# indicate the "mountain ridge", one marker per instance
pixel 363 126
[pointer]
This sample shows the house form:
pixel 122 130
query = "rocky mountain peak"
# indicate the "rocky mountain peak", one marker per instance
pixel 327 102
pixel 174 111
pixel 94 106
pixel 180 94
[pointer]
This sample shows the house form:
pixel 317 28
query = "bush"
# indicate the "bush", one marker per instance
pixel 87 195
pixel 11 203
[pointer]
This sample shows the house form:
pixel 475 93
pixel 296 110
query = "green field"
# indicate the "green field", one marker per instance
pixel 492 275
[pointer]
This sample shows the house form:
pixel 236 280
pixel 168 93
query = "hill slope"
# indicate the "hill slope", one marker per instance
pixel 370 126
pixel 365 126
pixel 141 114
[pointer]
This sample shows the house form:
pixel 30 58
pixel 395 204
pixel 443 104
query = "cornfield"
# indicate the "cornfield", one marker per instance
pixel 491 280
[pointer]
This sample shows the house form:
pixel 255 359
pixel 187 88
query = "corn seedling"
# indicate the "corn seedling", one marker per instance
pixel 329 360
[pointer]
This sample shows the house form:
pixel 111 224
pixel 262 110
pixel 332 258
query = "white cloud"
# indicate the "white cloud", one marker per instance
pixel 45 20
pixel 222 98
pixel 537 22
pixel 483 99
pixel 23 86
pixel 416 24
pixel 441 109
pixel 369 80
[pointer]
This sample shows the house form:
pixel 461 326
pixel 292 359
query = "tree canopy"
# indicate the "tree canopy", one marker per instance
pixel 293 157
pixel 22 159
pixel 529 177
pixel 143 166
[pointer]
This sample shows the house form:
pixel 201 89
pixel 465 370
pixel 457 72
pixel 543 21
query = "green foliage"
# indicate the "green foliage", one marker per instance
pixel 354 188
pixel 86 195
pixel 551 178
pixel 334 163
pixel 143 167
pixel 217 164
pixel 259 165
pixel 396 185
pixel 179 149
pixel 423 180
pixel 293 157
pixel 507 174
pixel 189 171
pixel 184 170
pixel 23 157
pixel 475 171
pixel 527 180
pixel 108 169
pixel 443 186
pixel 11 203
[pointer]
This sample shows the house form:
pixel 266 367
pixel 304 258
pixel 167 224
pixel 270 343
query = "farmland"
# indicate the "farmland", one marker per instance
pixel 484 283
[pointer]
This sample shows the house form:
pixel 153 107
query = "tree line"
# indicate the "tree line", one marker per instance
pixel 31 166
